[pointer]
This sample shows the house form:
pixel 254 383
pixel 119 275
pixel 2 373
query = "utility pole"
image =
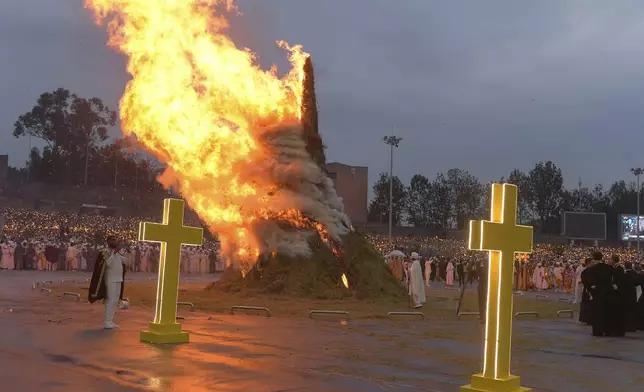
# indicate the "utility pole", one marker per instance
pixel 579 194
pixel 637 172
pixel 392 141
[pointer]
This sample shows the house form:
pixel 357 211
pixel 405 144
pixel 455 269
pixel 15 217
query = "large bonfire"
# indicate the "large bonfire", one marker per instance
pixel 232 137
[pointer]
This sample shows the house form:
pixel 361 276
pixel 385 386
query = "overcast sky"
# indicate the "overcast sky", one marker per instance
pixel 485 86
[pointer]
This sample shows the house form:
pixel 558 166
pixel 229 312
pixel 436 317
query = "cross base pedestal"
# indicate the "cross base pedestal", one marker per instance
pixel 483 384
pixel 165 334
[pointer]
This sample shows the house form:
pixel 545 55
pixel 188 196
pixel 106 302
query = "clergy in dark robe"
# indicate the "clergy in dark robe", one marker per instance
pixel 628 292
pixel 585 308
pixel 617 311
pixel 482 290
pixel 19 256
pixel 598 280
pixel 97 287
pixel 639 317
pixel 460 270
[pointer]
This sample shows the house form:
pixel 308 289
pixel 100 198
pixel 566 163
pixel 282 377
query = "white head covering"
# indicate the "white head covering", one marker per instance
pixel 414 256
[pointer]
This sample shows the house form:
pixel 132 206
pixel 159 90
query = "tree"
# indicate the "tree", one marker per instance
pixel 70 126
pixel 467 193
pixel 418 201
pixel 311 132
pixel 441 206
pixel 546 183
pixel 578 200
pixel 89 120
pixel 379 206
pixel 526 199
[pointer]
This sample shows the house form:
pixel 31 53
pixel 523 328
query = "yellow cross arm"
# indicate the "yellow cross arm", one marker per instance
pixel 153 232
pixel 497 236
pixel 192 236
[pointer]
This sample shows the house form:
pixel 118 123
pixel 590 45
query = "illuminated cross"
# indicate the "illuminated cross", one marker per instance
pixel 502 238
pixel 171 234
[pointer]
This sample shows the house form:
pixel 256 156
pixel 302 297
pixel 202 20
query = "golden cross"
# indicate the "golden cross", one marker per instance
pixel 171 234
pixel 502 238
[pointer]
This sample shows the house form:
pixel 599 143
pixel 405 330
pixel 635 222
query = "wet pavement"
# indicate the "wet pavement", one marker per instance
pixel 53 344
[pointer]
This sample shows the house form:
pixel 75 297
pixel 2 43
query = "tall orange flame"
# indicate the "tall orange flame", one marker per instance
pixel 205 108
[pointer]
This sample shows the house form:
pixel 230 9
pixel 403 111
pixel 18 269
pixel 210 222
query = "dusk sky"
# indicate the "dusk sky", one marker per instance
pixel 486 86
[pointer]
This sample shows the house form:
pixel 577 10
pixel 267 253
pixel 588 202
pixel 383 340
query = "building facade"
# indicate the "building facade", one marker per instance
pixel 352 185
pixel 4 168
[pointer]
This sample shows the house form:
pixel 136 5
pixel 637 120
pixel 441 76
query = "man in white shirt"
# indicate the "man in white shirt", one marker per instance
pixel 113 279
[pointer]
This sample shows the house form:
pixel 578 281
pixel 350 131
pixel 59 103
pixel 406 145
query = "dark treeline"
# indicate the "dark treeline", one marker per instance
pixel 77 148
pixel 451 199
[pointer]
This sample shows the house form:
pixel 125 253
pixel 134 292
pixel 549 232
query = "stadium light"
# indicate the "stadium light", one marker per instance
pixel 392 141
pixel 637 172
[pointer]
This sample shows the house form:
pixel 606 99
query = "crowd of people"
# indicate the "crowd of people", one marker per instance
pixel 609 290
pixel 62 241
pixel 49 241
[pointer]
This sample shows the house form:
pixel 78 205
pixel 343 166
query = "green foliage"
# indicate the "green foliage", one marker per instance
pixel 379 206
pixel 546 186
pixel 418 202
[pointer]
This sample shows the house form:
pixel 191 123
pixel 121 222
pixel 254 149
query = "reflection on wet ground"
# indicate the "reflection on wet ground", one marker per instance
pixel 49 344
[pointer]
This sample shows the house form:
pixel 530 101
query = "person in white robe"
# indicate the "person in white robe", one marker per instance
pixel 579 287
pixel 428 271
pixel 145 254
pixel 194 261
pixel 449 278
pixel 416 284
pixel 71 258
pixel 538 278
pixel 558 272
pixel 5 262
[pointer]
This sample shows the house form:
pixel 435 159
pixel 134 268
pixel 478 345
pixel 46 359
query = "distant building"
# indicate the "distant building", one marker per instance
pixel 4 168
pixel 352 185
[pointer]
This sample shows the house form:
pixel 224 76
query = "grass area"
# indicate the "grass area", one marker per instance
pixel 441 304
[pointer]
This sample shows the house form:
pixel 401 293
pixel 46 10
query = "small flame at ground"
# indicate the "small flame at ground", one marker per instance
pixel 345 281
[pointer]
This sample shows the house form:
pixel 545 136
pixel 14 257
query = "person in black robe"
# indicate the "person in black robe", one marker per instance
pixel 460 270
pixel 617 309
pixel 598 281
pixel 585 308
pixel 639 308
pixel 97 288
pixel 482 290
pixel 629 296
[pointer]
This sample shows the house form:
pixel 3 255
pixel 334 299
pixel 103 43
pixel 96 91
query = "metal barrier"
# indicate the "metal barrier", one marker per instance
pixel 190 304
pixel 67 280
pixel 477 314
pixel 517 314
pixel 44 289
pixel 47 282
pixel 542 296
pixel 565 299
pixel 406 314
pixel 256 308
pixel 318 311
pixel 566 311
pixel 68 294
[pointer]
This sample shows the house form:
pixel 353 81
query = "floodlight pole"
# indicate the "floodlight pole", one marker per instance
pixel 637 172
pixel 392 141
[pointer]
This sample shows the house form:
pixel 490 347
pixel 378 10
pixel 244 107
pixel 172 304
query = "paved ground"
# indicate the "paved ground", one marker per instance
pixel 53 344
